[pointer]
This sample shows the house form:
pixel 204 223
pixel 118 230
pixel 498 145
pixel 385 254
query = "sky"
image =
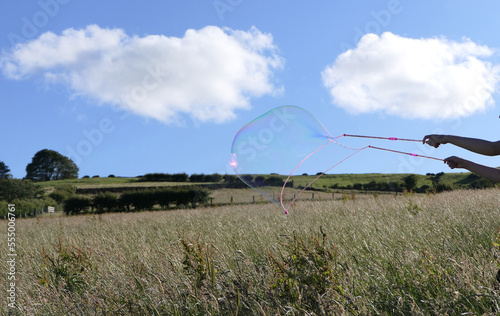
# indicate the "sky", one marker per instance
pixel 129 88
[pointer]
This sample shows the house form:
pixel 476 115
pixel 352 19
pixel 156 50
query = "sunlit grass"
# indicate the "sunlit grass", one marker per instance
pixel 83 182
pixel 426 254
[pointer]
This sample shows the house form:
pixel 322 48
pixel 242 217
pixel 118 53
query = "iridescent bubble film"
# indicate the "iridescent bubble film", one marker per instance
pixel 285 151
pixel 285 142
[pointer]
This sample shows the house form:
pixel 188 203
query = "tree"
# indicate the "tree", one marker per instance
pixel 436 179
pixel 50 165
pixel 4 171
pixel 229 178
pixel 11 189
pixel 105 202
pixel 275 181
pixel 214 177
pixel 76 205
pixel 410 182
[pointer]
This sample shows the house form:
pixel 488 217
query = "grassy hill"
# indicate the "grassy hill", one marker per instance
pixel 455 180
pixel 84 182
pixel 109 183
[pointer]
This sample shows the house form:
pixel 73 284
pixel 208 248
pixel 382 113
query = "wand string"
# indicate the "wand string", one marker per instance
pixel 387 138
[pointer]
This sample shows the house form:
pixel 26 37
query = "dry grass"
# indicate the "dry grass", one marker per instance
pixel 386 255
pixel 225 196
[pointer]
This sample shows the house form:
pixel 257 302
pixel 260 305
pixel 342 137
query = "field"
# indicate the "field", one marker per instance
pixel 329 186
pixel 107 183
pixel 349 179
pixel 327 180
pixel 419 255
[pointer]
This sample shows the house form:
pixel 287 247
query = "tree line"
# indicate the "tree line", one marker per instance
pixel 49 165
pixel 27 197
pixel 180 177
pixel 106 202
pixel 409 183
pixel 45 165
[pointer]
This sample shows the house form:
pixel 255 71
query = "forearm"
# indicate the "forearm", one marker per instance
pixel 490 173
pixel 479 146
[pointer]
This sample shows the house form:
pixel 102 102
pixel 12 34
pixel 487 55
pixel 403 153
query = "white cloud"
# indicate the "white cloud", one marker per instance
pixel 207 74
pixel 429 78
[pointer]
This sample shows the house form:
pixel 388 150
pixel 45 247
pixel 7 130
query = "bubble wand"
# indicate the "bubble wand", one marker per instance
pixel 286 138
pixel 394 151
pixel 334 140
pixel 386 138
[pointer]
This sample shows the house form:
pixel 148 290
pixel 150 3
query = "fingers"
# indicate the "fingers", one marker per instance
pixel 426 137
pixel 453 162
pixel 431 140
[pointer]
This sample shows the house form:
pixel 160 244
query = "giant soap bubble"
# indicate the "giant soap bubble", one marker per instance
pixel 283 142
pixel 275 153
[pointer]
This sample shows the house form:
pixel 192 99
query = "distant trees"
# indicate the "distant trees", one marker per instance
pixel 248 178
pixel 181 177
pixel 136 201
pixel 76 205
pixel 27 196
pixel 62 193
pixel 215 177
pixel 4 171
pixel 11 189
pixel 50 165
pixel 435 178
pixel 392 186
pixel 260 181
pixel 158 177
pixel 410 182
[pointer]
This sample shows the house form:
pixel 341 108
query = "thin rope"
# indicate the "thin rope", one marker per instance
pixel 297 196
pixel 386 138
pixel 303 160
pixel 405 153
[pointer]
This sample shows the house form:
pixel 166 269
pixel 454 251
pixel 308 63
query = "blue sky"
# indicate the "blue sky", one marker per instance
pixel 128 88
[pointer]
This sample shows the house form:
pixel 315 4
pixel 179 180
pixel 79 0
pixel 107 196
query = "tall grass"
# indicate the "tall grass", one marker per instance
pixel 391 255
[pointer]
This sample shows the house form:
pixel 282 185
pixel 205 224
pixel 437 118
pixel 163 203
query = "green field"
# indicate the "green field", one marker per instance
pixel 326 180
pixel 88 182
pixel 107 182
pixel 378 255
pixel 328 186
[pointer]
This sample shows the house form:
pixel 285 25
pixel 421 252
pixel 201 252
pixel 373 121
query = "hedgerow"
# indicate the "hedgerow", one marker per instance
pixel 105 202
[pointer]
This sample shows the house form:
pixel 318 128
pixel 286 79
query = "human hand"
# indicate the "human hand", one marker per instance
pixel 456 162
pixel 434 140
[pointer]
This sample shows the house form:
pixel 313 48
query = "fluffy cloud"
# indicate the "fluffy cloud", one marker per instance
pixel 429 78
pixel 207 74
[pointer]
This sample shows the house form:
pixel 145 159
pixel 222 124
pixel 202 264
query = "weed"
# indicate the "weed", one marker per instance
pixel 214 291
pixel 198 264
pixel 67 268
pixel 348 197
pixel 412 208
pixel 307 274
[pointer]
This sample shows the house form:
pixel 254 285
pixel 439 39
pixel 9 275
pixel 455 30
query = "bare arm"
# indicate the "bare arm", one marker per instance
pixel 490 173
pixel 476 145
